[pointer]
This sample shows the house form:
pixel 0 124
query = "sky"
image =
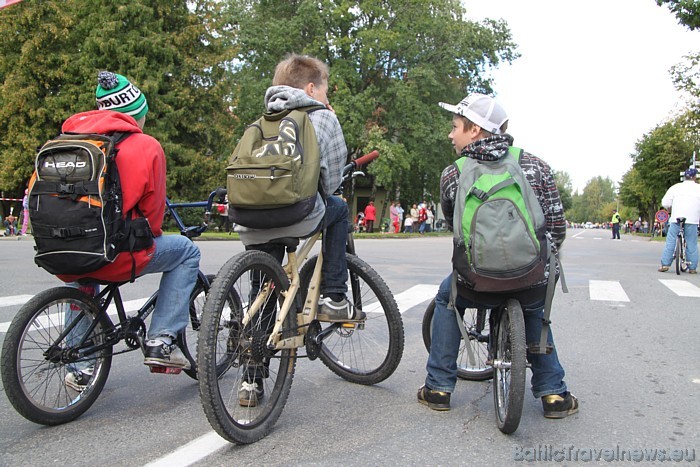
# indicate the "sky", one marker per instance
pixel 592 79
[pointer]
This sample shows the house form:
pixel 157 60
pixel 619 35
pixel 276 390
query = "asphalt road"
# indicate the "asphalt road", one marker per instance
pixel 628 342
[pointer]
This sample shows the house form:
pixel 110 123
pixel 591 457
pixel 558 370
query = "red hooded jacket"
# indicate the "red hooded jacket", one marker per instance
pixel 141 164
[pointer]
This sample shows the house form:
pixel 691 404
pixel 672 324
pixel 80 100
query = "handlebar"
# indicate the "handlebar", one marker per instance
pixel 360 161
pixel 195 230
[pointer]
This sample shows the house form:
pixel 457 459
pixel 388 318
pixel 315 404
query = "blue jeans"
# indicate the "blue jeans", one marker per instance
pixel 691 239
pixel 547 372
pixel 177 257
pixel 334 271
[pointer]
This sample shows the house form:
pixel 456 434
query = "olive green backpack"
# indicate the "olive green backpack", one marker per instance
pixel 273 174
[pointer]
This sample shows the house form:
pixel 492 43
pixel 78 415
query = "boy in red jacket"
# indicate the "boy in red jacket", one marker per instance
pixel 141 163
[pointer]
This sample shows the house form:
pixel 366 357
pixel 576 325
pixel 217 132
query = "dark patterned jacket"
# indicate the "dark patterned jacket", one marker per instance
pixel 537 172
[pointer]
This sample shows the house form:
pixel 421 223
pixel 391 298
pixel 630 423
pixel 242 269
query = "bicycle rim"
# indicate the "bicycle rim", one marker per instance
pixel 33 369
pixel 367 352
pixel 509 367
pixel 244 417
pixel 678 254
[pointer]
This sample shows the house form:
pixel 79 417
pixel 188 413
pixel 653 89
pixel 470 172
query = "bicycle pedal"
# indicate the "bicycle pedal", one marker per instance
pixel 165 370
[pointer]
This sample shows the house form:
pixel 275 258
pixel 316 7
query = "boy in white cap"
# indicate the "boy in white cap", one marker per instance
pixel 141 164
pixel 479 127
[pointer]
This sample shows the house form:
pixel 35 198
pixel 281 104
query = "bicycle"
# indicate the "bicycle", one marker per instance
pixel 43 343
pixel 274 314
pixel 679 258
pixel 494 349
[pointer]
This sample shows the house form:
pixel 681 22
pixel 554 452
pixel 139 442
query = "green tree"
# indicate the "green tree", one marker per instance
pixel 390 62
pixel 565 187
pixel 687 11
pixel 176 52
pixel 596 202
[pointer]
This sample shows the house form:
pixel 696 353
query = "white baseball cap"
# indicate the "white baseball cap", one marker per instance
pixel 480 109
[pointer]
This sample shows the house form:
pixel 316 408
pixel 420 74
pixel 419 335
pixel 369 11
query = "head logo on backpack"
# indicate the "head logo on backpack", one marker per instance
pixel 75 206
pixel 500 242
pixel 273 174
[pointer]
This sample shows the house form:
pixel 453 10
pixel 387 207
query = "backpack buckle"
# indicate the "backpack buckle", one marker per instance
pixel 65 189
pixel 481 194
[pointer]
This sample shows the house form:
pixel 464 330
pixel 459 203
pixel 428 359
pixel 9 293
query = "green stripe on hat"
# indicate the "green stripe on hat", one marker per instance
pixel 115 92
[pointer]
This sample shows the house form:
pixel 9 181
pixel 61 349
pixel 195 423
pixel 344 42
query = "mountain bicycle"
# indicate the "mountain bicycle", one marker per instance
pixel 273 315
pixel 679 258
pixel 63 329
pixel 494 348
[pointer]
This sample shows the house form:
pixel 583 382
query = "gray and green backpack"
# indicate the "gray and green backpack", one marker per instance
pixel 273 174
pixel 500 242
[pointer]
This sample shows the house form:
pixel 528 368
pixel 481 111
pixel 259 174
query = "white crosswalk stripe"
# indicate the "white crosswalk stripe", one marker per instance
pixel 607 290
pixel 681 288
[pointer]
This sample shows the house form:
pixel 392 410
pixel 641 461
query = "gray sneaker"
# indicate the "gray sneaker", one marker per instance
pixel 250 393
pixel 158 353
pixel 332 311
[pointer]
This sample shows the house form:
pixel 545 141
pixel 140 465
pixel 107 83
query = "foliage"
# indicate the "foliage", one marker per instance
pixel 175 51
pixel 565 188
pixel 596 202
pixel 661 155
pixel 687 11
pixel 390 62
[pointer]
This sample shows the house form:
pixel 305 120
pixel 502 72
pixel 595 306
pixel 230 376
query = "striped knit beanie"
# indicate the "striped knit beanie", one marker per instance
pixel 115 92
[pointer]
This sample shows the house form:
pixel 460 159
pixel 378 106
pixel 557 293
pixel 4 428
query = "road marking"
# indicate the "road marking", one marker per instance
pixel 415 295
pixel 696 380
pixel 14 300
pixel 681 288
pixel 192 452
pixel 610 291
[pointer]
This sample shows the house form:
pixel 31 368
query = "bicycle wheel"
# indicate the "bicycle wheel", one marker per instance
pixel 188 340
pixel 472 368
pixel 509 365
pixel 368 352
pixel 244 413
pixel 678 254
pixel 36 360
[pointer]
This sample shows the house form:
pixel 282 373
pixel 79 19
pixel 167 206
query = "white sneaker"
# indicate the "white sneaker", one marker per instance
pixel 333 311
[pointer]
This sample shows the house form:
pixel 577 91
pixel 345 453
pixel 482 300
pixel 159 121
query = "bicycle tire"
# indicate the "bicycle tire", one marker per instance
pixel 191 335
pixel 222 324
pixel 371 352
pixel 36 386
pixel 478 369
pixel 509 364
pixel 685 264
pixel 678 255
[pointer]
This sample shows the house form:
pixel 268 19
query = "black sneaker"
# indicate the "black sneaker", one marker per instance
pixel 558 406
pixel 249 394
pixel 436 400
pixel 78 380
pixel 158 353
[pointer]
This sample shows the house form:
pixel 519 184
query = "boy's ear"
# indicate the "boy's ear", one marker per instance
pixel 309 88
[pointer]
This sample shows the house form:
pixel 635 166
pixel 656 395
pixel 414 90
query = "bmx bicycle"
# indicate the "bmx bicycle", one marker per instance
pixel 273 314
pixel 62 329
pixel 494 348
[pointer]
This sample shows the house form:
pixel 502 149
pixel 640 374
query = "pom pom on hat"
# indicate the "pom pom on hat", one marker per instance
pixel 115 92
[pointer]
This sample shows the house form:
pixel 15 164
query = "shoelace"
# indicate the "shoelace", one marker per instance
pixel 246 386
